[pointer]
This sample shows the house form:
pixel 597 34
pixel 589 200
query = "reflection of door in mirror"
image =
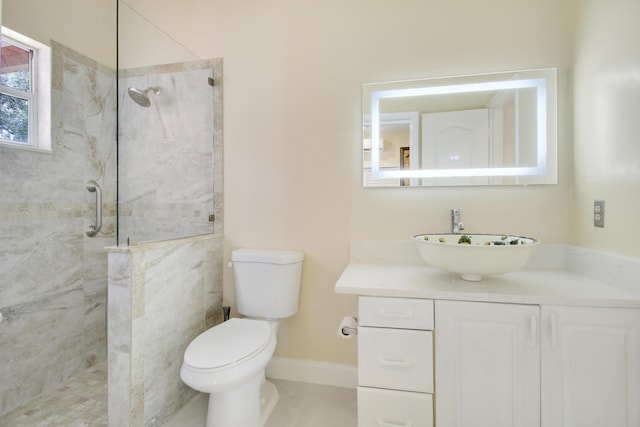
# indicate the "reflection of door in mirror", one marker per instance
pixel 519 125
pixel 397 130
pixel 405 163
pixel 456 140
pixel 391 137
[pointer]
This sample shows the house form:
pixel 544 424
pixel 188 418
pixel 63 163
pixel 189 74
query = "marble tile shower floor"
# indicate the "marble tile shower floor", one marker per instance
pixel 82 402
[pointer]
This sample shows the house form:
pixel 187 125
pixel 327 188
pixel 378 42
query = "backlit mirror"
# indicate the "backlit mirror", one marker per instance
pixel 486 129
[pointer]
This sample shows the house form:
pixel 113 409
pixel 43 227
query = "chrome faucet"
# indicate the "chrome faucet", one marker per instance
pixel 456 224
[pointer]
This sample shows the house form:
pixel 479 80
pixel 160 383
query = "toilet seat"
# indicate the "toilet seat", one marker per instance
pixel 227 343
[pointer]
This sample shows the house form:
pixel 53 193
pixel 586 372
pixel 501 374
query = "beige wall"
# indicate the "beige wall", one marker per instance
pixel 88 27
pixel 292 100
pixel 607 125
pixel 292 123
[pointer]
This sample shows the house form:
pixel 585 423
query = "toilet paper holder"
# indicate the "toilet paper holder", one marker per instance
pixel 348 327
pixel 348 330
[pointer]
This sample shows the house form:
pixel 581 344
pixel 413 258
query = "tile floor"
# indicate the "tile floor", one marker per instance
pixel 82 402
pixel 313 405
pixel 300 405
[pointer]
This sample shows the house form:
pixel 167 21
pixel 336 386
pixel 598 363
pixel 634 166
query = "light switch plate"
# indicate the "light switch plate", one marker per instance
pixel 598 213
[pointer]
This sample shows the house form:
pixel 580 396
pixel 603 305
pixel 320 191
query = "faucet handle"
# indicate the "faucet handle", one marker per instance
pixel 456 224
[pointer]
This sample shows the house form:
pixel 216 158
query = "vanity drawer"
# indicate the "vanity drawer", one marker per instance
pixel 407 313
pixel 392 408
pixel 400 359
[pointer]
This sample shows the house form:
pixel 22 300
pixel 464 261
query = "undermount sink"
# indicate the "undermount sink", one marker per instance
pixel 475 255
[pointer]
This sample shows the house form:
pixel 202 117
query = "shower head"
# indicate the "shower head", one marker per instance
pixel 140 97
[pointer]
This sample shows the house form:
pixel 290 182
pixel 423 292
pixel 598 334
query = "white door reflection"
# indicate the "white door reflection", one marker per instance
pixel 456 140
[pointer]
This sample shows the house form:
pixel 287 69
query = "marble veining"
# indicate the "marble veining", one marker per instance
pixel 52 277
pixel 82 402
pixel 170 161
pixel 78 402
pixel 161 296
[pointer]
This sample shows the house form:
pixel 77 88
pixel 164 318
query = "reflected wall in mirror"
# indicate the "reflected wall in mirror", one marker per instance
pixel 485 129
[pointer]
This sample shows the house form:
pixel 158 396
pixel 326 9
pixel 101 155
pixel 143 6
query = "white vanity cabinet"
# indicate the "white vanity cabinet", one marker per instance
pixel 395 362
pixel 590 367
pixel 547 346
pixel 529 365
pixel 487 364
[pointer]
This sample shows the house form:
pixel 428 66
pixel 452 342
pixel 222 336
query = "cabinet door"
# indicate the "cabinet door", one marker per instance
pixel 487 363
pixel 590 367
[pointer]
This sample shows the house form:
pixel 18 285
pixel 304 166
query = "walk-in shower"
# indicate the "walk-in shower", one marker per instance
pixel 140 96
pixel 160 175
pixel 53 281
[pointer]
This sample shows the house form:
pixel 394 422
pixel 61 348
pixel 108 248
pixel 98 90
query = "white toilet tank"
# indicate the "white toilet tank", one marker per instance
pixel 267 282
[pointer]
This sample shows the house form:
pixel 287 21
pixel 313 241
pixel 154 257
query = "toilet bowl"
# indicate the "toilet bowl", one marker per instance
pixel 228 361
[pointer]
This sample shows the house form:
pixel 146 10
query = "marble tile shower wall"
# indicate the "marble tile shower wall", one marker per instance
pixel 52 276
pixel 170 154
pixel 161 296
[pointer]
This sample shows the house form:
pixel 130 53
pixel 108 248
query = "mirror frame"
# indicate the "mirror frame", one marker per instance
pixel 542 80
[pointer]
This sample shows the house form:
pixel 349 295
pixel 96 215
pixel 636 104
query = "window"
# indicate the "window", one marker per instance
pixel 25 92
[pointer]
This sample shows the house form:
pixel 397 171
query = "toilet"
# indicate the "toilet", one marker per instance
pixel 228 361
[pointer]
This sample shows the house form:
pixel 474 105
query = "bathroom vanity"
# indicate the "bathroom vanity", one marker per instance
pixel 555 344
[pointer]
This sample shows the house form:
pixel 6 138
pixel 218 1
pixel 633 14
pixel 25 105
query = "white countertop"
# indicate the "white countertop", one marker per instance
pixel 372 273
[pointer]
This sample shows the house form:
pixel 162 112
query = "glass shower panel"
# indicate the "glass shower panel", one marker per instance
pixel 53 278
pixel 169 135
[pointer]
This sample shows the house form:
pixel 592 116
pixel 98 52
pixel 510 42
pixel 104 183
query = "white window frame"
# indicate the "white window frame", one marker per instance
pixel 40 97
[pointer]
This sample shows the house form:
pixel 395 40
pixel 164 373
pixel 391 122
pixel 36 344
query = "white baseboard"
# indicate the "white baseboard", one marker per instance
pixel 311 371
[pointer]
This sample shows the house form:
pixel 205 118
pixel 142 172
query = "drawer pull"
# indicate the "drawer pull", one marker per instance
pixel 395 363
pixel 396 314
pixel 383 423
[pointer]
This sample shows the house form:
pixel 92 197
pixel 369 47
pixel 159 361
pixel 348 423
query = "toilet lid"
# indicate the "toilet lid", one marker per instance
pixel 266 256
pixel 226 343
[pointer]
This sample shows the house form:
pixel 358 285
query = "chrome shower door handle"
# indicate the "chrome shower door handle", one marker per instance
pixel 93 187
